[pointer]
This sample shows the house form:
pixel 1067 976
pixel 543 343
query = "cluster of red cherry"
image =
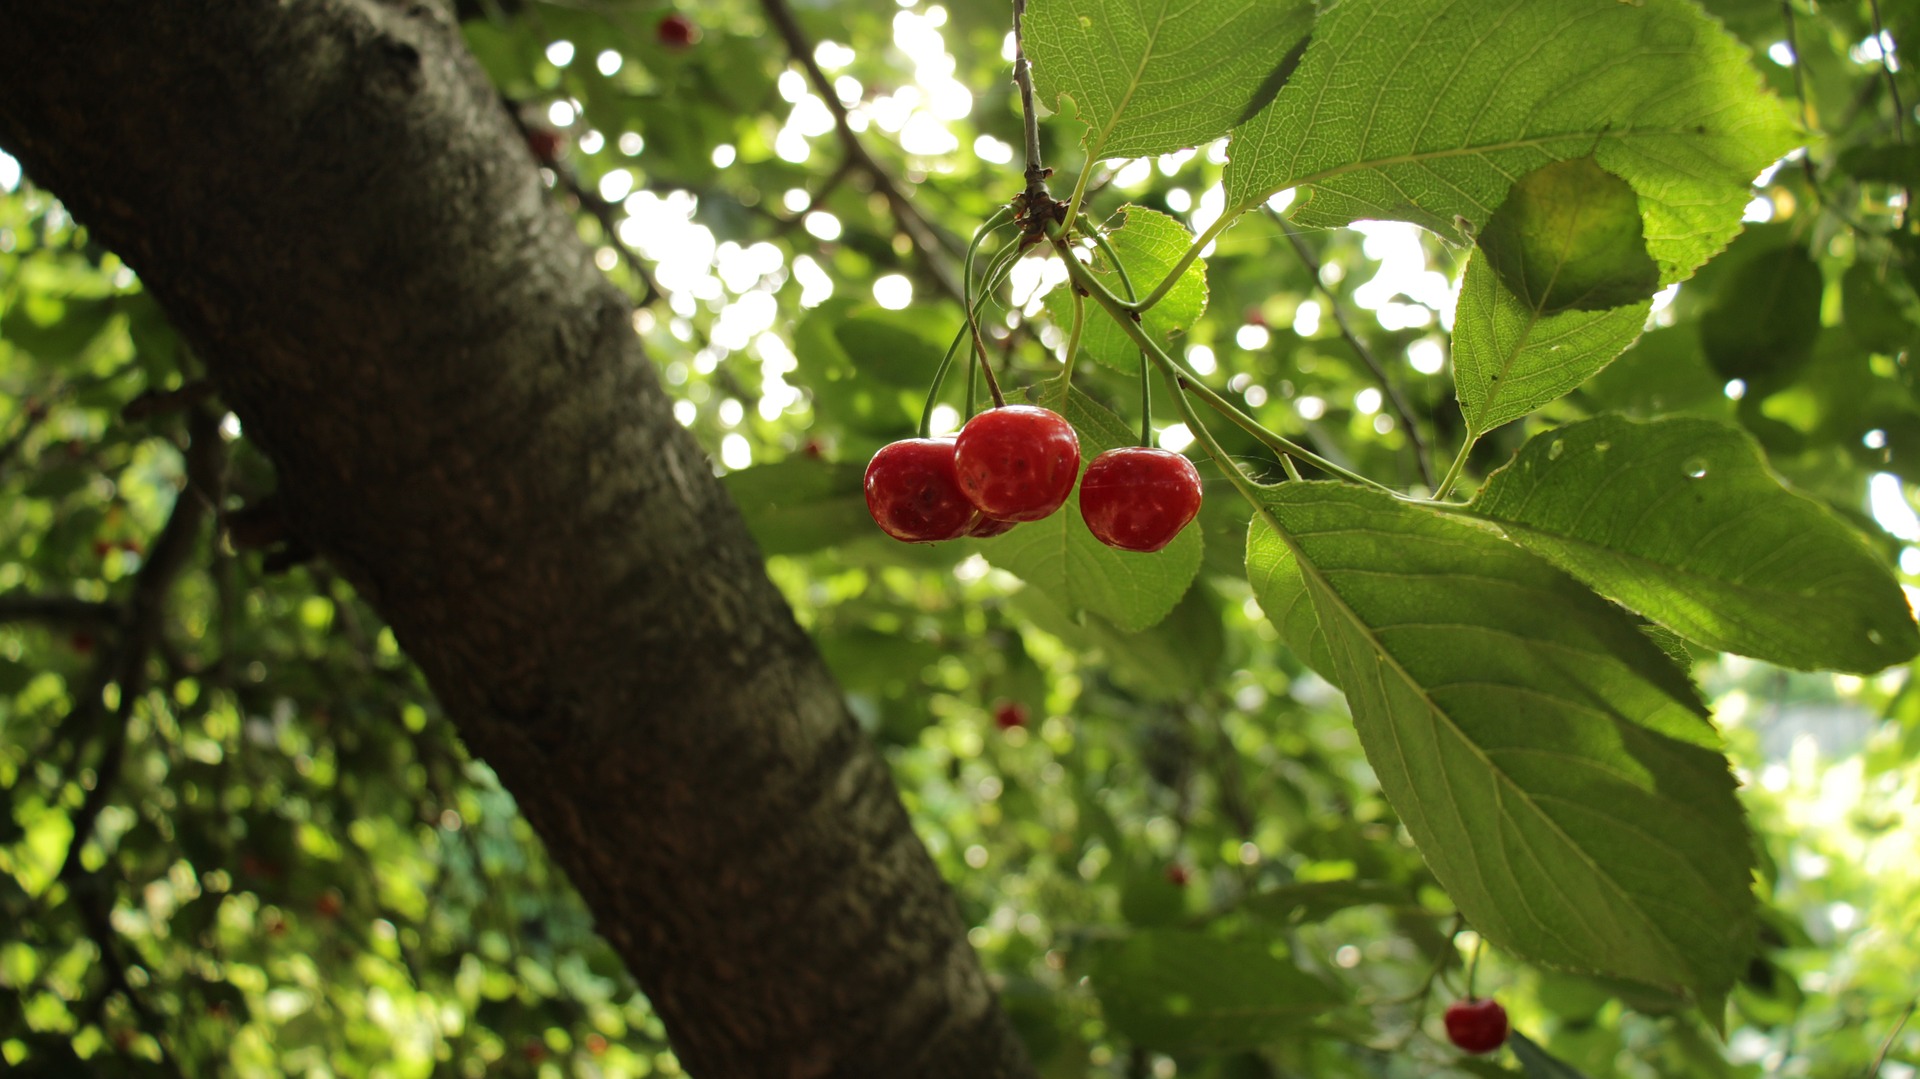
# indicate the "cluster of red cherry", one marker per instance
pixel 1018 463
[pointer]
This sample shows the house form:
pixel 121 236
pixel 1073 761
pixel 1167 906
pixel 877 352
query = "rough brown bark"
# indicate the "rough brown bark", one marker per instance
pixel 330 203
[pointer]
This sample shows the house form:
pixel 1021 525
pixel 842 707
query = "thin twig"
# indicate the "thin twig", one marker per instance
pixel 1881 39
pixel 1892 1036
pixel 1023 78
pixel 1809 118
pixel 935 249
pixel 1401 409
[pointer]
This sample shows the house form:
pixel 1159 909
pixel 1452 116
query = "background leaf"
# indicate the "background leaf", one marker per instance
pixel 1680 520
pixel 1173 989
pixel 1763 322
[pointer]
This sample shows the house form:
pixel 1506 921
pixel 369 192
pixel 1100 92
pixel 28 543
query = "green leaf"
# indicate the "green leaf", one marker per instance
pixel 1278 584
pixel 900 348
pixel 1876 314
pixel 1509 358
pixel 1569 236
pixel 1176 990
pixel 1883 164
pixel 1059 556
pixel 1315 901
pixel 1538 1063
pixel 1149 244
pixel 1154 76
pixel 1680 520
pixel 1764 320
pixel 801 504
pixel 1554 767
pixel 1426 111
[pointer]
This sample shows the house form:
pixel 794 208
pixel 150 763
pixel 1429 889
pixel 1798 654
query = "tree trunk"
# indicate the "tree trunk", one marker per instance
pixel 332 205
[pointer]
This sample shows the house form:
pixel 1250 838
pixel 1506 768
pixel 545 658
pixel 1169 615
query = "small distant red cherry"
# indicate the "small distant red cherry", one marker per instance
pixel 1476 1026
pixel 82 642
pixel 1017 463
pixel 102 548
pixel 1137 498
pixel 328 905
pixel 1009 714
pixel 814 449
pixel 596 1044
pixel 535 1052
pixel 546 144
pixel 914 494
pixel 677 32
pixel 1178 875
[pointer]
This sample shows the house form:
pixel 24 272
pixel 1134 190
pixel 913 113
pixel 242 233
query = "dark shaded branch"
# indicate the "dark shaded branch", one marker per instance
pixel 145 620
pixel 63 611
pixel 936 249
pixel 1401 410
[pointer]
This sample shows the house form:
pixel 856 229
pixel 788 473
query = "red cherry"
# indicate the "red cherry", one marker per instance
pixel 1178 876
pixel 1477 1026
pixel 596 1044
pixel 913 493
pixel 535 1052
pixel 1137 499
pixel 546 144
pixel 814 449
pixel 1009 714
pixel 676 32
pixel 102 548
pixel 82 642
pixel 1017 463
pixel 328 905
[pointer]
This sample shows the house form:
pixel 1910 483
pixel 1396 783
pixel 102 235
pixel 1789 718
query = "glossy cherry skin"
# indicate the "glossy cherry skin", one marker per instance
pixel 1137 499
pixel 1477 1026
pixel 913 493
pixel 1017 463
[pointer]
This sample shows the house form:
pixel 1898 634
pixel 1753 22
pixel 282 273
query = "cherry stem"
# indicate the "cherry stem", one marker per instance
pixel 1126 285
pixel 1473 966
pixel 996 272
pixel 973 322
pixel 1073 337
pixel 1192 384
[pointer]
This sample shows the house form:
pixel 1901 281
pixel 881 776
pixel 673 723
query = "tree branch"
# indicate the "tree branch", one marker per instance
pixel 61 611
pixel 1398 403
pixel 935 249
pixel 146 617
